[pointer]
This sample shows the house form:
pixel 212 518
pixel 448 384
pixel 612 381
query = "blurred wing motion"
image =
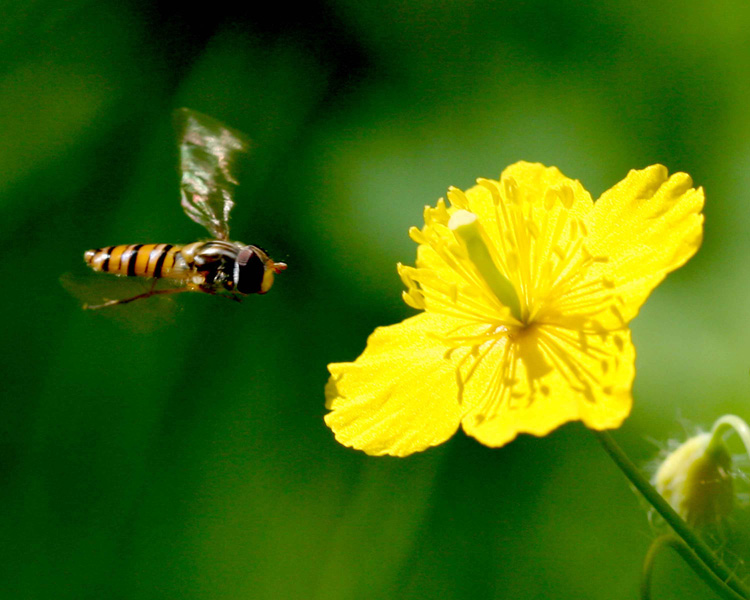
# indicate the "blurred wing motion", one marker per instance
pixel 137 316
pixel 208 150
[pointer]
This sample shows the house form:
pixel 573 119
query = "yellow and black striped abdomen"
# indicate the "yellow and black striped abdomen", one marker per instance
pixel 138 260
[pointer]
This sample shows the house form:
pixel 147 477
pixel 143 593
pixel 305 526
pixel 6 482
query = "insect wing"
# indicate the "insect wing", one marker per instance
pixel 145 315
pixel 208 150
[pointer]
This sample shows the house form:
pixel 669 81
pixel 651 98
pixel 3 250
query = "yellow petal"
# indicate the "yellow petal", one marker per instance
pixel 400 395
pixel 545 377
pixel 528 184
pixel 646 226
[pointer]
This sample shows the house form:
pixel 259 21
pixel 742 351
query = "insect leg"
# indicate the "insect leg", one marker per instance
pixel 151 292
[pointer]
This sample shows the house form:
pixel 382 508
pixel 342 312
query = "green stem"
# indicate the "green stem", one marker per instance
pixel 691 539
pixel 729 423
pixel 691 558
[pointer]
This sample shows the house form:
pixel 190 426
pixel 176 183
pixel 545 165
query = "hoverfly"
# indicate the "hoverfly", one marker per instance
pixel 215 266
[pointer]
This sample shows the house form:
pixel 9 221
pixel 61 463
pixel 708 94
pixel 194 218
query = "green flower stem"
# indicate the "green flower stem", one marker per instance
pixel 725 424
pixel 670 540
pixel 691 539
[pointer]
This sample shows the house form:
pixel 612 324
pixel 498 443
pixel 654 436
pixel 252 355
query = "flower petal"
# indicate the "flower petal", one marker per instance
pixel 528 184
pixel 400 395
pixel 646 226
pixel 547 376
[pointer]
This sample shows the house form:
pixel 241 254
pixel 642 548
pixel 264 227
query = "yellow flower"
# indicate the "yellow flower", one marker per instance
pixel 526 287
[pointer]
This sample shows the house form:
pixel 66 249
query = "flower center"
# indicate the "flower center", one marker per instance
pixel 511 266
pixel 541 247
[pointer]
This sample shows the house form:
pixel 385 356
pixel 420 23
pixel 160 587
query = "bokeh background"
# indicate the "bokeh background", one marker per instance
pixel 189 459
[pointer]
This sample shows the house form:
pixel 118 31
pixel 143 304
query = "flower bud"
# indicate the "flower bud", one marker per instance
pixel 696 480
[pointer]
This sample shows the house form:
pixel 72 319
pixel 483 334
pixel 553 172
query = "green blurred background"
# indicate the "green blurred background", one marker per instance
pixel 190 460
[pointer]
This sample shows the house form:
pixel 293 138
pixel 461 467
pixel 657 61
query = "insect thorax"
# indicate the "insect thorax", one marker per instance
pixel 227 266
pixel 213 263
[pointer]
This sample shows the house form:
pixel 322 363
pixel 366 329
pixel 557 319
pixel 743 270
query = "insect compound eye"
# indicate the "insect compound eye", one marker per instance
pixel 248 271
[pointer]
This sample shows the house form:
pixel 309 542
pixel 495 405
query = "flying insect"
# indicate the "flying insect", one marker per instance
pixel 218 266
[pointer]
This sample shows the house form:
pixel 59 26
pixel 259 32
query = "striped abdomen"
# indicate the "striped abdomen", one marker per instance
pixel 139 260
